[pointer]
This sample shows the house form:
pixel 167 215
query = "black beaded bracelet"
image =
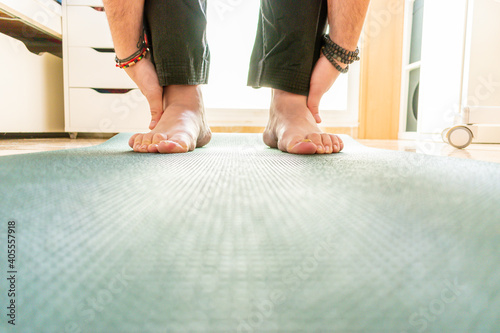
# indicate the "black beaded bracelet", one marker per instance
pixel 333 61
pixel 339 53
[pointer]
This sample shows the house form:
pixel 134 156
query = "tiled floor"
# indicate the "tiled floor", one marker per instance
pixel 480 152
pixel 483 152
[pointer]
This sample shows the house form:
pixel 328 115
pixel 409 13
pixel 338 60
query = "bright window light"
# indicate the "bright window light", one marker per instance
pixel 232 25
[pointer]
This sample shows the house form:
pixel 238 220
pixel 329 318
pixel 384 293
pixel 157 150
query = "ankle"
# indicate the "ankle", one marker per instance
pixel 184 95
pixel 285 96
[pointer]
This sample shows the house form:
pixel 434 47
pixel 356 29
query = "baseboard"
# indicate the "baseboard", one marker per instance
pixel 349 130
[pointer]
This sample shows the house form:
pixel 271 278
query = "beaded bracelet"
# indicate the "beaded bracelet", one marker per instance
pixel 333 61
pixel 335 53
pixel 142 46
pixel 132 60
pixel 341 54
pixel 338 56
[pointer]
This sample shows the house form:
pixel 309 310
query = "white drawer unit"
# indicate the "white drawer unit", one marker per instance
pixel 94 3
pixel 102 71
pixel 31 85
pixel 99 98
pixel 105 111
pixel 87 26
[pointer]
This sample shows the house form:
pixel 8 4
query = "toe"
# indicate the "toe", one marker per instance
pixel 146 141
pixel 153 148
pixel 171 147
pixel 341 143
pixel 336 143
pixel 159 137
pixel 138 142
pixel 316 139
pixel 180 143
pixel 301 146
pixel 327 143
pixel 132 140
pixel 155 142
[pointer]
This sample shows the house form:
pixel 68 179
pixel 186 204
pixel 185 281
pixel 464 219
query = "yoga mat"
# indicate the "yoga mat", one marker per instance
pixel 237 237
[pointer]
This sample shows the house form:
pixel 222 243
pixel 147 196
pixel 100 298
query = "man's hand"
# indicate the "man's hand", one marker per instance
pixel 144 75
pixel 125 20
pixel 322 79
pixel 345 18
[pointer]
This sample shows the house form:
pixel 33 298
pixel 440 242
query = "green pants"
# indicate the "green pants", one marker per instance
pixel 287 46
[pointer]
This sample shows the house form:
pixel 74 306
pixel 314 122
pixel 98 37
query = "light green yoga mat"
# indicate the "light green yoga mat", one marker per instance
pixel 237 237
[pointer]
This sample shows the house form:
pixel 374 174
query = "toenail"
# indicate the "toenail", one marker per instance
pixel 327 148
pixel 144 146
pixel 306 140
pixel 335 148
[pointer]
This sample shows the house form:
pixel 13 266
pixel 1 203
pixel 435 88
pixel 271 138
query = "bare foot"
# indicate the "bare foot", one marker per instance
pixel 182 126
pixel 292 128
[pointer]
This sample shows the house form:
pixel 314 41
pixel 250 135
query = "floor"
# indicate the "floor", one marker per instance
pixel 482 152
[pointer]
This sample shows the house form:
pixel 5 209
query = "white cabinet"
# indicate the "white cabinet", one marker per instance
pixel 459 76
pixel 31 85
pixel 481 81
pixel 99 97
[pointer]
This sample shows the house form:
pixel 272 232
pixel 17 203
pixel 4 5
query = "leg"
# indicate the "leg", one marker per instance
pixel 177 35
pixel 288 43
pixel 176 31
pixel 287 48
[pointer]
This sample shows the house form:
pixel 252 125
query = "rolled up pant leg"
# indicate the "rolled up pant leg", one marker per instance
pixel 176 31
pixel 288 44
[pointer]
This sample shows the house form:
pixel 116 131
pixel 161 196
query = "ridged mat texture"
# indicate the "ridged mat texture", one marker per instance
pixel 237 237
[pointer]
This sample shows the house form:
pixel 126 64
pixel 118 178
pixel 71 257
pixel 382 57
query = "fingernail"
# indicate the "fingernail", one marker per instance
pixel 153 123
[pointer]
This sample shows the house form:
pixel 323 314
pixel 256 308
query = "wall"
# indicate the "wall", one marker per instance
pixel 381 56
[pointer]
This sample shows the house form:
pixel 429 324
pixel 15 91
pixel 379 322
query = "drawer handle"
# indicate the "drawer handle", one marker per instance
pixel 112 91
pixel 104 49
pixel 97 8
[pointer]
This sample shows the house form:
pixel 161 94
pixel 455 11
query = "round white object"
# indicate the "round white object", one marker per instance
pixel 459 137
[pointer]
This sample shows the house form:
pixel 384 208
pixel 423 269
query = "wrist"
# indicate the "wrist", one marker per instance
pixel 126 51
pixel 133 59
pixel 340 64
pixel 122 52
pixel 342 42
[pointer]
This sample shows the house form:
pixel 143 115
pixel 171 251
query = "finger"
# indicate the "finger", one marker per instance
pixel 313 103
pixel 155 100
